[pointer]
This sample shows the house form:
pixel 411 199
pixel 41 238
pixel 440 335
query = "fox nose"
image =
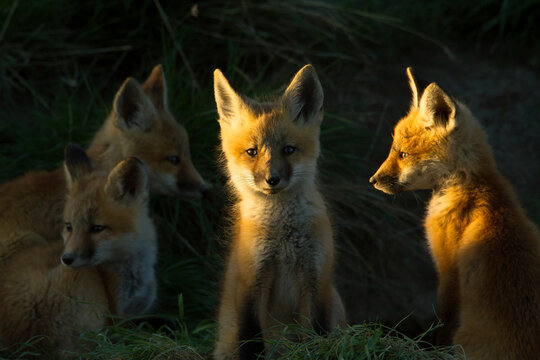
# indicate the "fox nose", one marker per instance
pixel 273 181
pixel 67 259
pixel 373 180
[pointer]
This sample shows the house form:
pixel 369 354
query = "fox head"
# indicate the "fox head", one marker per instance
pixel 148 131
pixel 271 147
pixel 438 140
pixel 106 216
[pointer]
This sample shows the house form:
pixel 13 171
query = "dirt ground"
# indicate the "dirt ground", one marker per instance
pixel 399 280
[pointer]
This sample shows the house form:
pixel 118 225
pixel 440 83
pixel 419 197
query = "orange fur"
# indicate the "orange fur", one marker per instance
pixel 139 125
pixel 280 268
pixel 486 251
pixel 110 271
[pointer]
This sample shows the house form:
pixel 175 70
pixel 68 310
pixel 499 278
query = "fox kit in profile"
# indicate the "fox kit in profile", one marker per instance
pixel 280 267
pixel 140 125
pixel 108 257
pixel 486 251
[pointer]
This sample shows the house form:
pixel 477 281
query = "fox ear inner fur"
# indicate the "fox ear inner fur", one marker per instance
pixel 304 96
pixel 132 107
pixel 437 109
pixel 77 163
pixel 128 180
pixel 227 100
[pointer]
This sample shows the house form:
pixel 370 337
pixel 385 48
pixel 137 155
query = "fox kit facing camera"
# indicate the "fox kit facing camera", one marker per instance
pixel 108 259
pixel 140 125
pixel 280 267
pixel 486 251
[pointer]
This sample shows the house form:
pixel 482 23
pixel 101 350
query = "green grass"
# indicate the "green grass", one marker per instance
pixel 62 61
pixel 357 342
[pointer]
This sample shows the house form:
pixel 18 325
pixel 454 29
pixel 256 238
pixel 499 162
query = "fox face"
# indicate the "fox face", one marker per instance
pixel 424 144
pixel 148 131
pixel 271 147
pixel 104 213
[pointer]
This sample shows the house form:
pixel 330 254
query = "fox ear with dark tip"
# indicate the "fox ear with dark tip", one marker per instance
pixel 304 96
pixel 414 87
pixel 132 108
pixel 437 109
pixel 127 181
pixel 77 163
pixel 229 103
pixel 155 87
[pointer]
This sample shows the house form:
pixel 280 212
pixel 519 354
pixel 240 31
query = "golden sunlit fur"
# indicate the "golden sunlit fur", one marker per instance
pixel 486 251
pixel 110 247
pixel 139 125
pixel 280 267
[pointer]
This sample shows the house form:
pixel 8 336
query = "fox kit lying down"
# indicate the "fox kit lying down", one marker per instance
pixel 140 125
pixel 108 259
pixel 486 251
pixel 280 267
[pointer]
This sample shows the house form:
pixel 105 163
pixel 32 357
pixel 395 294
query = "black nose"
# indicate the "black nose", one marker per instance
pixel 273 181
pixel 67 259
pixel 373 180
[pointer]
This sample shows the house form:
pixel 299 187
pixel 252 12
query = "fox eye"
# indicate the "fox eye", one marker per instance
pixel 68 227
pixel 175 160
pixel 97 228
pixel 403 155
pixel 288 150
pixel 252 152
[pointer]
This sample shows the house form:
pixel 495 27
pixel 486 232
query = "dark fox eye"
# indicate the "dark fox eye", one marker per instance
pixel 175 160
pixel 97 228
pixel 288 150
pixel 68 227
pixel 403 155
pixel 252 152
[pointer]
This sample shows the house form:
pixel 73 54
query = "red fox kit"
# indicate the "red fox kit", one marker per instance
pixel 280 267
pixel 139 125
pixel 108 257
pixel 486 251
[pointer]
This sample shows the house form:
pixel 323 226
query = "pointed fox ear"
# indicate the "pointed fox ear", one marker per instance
pixel 228 102
pixel 156 88
pixel 437 108
pixel 132 107
pixel 414 87
pixel 304 96
pixel 77 163
pixel 127 181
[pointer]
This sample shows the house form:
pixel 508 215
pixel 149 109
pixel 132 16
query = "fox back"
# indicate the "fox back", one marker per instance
pixel 107 259
pixel 486 251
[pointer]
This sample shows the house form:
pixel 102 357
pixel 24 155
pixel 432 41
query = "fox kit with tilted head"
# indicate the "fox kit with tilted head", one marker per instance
pixel 280 267
pixel 486 251
pixel 139 125
pixel 107 256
